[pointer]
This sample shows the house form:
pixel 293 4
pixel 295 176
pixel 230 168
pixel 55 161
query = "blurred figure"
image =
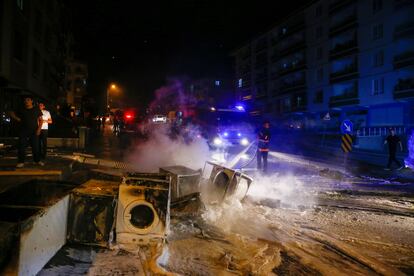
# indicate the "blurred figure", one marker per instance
pixel 263 146
pixel 46 120
pixel 393 140
pixel 30 119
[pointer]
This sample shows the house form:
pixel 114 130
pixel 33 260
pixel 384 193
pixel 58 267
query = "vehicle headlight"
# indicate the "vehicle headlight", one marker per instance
pixel 217 141
pixel 226 134
pixel 244 142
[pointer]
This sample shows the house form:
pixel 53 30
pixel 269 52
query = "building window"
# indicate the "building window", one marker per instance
pixel 379 58
pixel 319 75
pixel 377 86
pixel 240 83
pixel 19 4
pixel 318 32
pixel 217 83
pixel 35 63
pixel 377 32
pixel 319 53
pixel 376 5
pixel 318 11
pixel 318 97
pixel 18 46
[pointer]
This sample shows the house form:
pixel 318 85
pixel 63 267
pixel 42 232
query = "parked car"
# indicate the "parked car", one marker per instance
pixel 159 119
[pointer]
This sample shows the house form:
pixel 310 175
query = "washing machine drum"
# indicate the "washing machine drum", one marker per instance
pixel 140 217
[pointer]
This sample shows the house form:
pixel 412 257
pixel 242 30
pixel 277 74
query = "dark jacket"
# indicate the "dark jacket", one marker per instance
pixel 264 139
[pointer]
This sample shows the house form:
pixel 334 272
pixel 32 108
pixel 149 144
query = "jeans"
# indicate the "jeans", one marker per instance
pixel 26 137
pixel 392 158
pixel 43 143
pixel 262 155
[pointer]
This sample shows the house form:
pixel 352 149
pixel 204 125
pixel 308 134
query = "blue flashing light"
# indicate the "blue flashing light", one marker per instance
pixel 226 134
pixel 240 108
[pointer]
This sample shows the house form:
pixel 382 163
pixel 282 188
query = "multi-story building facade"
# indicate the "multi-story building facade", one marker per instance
pixel 76 83
pixel 351 59
pixel 33 48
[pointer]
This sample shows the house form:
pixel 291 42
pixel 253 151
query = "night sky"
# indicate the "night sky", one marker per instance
pixel 139 45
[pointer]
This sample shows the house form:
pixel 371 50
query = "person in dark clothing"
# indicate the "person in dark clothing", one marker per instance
pixel 30 123
pixel 263 146
pixel 393 140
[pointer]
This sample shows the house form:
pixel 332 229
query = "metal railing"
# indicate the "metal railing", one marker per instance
pixel 380 131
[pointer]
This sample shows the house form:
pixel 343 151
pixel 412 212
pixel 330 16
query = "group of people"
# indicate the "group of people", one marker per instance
pixel 33 129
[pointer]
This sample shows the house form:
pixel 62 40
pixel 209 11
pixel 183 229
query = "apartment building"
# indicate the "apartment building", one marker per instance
pixel 346 58
pixel 33 48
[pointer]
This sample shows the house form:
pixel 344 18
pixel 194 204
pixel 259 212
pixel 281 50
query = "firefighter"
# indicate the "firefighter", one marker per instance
pixel 263 146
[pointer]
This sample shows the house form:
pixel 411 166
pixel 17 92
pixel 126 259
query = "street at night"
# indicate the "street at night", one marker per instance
pixel 206 138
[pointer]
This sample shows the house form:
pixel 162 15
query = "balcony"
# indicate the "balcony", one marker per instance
pixel 349 22
pixel 292 48
pixel 339 4
pixel 286 87
pixel 404 89
pixel 348 98
pixel 405 30
pixel 292 67
pixel 344 49
pixel 348 73
pixel 403 60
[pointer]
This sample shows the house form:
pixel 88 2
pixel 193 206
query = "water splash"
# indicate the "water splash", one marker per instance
pixel 409 161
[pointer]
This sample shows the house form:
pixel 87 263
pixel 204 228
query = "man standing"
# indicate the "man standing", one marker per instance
pixel 263 146
pixel 392 141
pixel 46 120
pixel 30 123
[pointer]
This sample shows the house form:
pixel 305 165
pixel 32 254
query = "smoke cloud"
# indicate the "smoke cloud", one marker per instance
pixel 161 150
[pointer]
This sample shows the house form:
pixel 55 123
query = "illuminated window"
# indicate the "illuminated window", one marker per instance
pixel 217 83
pixel 20 4
pixel 240 83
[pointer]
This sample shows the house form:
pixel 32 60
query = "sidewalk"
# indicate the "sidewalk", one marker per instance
pixel 55 168
pixel 359 163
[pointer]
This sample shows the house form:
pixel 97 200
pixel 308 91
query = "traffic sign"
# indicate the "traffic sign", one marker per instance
pixel 346 143
pixel 347 127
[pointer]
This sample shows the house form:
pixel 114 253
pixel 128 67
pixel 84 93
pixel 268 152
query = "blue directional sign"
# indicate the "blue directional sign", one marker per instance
pixel 347 127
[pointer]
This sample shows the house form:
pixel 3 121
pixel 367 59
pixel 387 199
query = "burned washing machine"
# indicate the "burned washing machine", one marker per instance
pixel 143 213
pixel 220 183
pixel 184 181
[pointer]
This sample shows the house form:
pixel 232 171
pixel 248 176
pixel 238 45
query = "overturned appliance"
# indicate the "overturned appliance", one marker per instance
pixel 143 213
pixel 92 211
pixel 184 181
pixel 220 183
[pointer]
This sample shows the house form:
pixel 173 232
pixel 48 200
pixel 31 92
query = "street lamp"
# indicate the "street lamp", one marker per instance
pixel 112 87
